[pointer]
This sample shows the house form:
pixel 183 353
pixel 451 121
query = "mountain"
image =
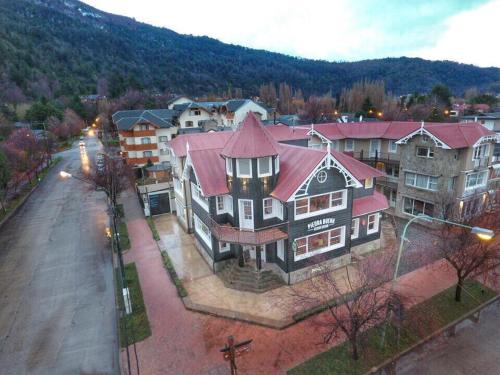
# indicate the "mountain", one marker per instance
pixel 71 45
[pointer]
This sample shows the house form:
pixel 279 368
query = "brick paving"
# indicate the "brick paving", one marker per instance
pixel 185 342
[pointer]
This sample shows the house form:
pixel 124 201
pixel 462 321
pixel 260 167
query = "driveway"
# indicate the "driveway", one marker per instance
pixel 57 310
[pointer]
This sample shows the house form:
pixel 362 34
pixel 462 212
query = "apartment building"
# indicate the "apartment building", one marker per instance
pixel 144 135
pixel 426 164
pixel 275 206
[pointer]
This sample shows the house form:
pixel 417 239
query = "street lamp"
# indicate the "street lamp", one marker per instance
pixel 482 233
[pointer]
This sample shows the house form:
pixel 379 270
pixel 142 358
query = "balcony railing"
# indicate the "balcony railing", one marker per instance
pixel 376 156
pixel 227 233
pixel 479 163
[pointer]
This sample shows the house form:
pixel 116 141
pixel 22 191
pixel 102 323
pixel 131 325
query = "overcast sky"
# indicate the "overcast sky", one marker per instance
pixel 348 30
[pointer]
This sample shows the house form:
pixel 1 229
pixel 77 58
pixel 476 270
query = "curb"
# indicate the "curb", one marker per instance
pixel 24 199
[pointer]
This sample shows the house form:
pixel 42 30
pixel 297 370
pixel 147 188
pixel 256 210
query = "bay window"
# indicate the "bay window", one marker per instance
pixel 224 204
pixel 476 180
pixel 203 231
pixel 319 204
pixel 421 181
pixel 318 243
pixel 264 167
pixel 198 196
pixel 244 167
pixel 272 208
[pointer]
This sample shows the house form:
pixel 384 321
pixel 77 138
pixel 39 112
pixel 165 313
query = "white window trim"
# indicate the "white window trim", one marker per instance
pixel 178 187
pixel 198 196
pixel 428 152
pixel 320 212
pixel 197 227
pixel 224 249
pixel 478 149
pixel 270 173
pixel 377 222
pixel 227 202
pixel 280 250
pixel 355 225
pixel 420 187
pixel 468 188
pixel 276 164
pixel 272 214
pixel 238 169
pixel 241 213
pixel 352 145
pixel 229 166
pixel 323 249
pixel 391 143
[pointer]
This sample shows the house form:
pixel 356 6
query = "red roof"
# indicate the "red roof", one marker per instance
pixel 459 135
pixel 210 170
pixel 250 140
pixel 359 170
pixel 199 141
pixel 296 163
pixel 369 204
pixel 455 135
pixel 288 133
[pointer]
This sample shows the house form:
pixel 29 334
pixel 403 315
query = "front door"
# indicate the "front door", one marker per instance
pixel 246 213
pixel 374 147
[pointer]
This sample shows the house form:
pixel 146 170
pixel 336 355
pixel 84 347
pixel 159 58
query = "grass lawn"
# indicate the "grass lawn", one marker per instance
pixel 137 323
pixel 123 235
pixel 152 225
pixel 420 321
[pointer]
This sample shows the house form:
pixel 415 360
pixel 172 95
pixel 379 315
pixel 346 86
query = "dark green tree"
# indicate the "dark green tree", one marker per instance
pixel 5 174
pixel 443 94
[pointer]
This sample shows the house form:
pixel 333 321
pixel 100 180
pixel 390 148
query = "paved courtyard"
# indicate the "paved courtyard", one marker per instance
pixel 186 342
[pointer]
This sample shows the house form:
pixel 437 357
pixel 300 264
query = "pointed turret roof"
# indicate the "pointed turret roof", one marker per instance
pixel 250 140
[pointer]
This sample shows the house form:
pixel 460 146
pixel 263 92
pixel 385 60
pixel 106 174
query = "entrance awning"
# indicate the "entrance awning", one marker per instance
pixel 230 234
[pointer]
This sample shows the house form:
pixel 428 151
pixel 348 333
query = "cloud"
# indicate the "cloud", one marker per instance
pixel 470 37
pixel 332 30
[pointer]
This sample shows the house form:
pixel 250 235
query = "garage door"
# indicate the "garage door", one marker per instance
pixel 159 204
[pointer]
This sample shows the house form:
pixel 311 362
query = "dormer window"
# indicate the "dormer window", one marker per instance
pixel 369 183
pixel 244 168
pixel 264 167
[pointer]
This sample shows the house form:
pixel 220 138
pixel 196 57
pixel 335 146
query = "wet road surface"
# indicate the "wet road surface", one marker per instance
pixel 57 310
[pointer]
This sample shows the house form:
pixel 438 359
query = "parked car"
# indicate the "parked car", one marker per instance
pixel 82 144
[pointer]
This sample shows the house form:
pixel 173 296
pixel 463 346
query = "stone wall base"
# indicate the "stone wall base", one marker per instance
pixel 214 266
pixel 365 248
pixel 315 270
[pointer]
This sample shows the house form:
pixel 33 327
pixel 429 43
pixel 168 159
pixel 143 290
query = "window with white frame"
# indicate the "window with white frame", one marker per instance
pixel 224 204
pixel 476 180
pixel 264 167
pixel 202 230
pixel 268 208
pixel 481 151
pixel 319 243
pixel 163 138
pixel 178 187
pixel 224 247
pixel 229 166
pixel 147 154
pixel 349 145
pixel 368 182
pixel 145 140
pixel 189 124
pixel 355 228
pixel 425 152
pixel 416 207
pixel 244 167
pixel 276 164
pixel 198 196
pixel 393 146
pixel 373 221
pixel 144 127
pixel 320 204
pixel 280 249
pixel 421 181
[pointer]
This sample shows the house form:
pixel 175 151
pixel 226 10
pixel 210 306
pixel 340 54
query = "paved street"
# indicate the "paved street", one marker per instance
pixel 473 351
pixel 57 313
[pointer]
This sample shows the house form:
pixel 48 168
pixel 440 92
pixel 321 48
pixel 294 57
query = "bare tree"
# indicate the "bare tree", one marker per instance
pixel 469 255
pixel 354 303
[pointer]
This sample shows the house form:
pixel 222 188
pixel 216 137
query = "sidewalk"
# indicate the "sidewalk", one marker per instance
pixel 185 342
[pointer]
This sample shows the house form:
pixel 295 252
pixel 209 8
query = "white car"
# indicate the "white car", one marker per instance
pixel 82 144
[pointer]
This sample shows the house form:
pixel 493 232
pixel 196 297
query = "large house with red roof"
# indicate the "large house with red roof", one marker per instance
pixel 254 201
pixel 427 165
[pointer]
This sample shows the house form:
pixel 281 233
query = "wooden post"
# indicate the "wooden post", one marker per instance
pixel 258 257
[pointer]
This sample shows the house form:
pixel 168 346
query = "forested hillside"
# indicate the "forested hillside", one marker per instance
pixel 65 47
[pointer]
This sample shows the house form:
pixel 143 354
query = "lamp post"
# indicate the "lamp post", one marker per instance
pixel 482 233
